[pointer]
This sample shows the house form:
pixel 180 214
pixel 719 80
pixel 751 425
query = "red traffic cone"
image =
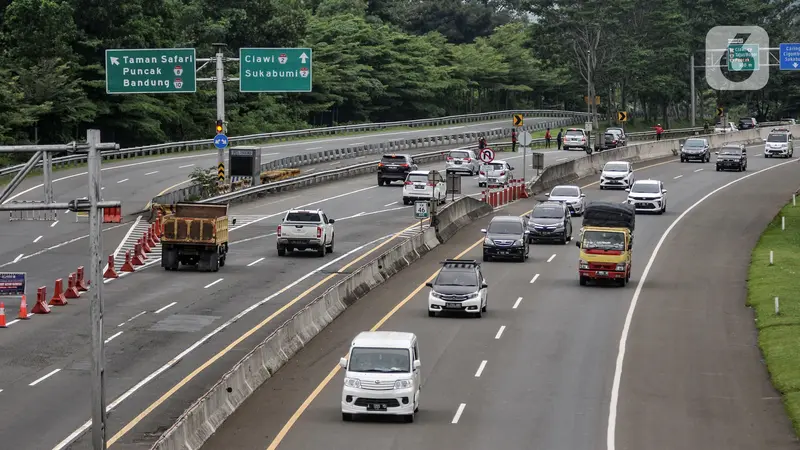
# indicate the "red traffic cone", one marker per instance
pixel 110 272
pixel 150 241
pixel 128 265
pixel 23 309
pixel 3 315
pixel 41 303
pixel 137 259
pixel 80 282
pixel 58 295
pixel 72 290
pixel 144 244
pixel 154 233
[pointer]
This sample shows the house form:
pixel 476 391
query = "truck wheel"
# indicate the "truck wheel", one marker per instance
pixel 222 261
pixel 214 262
pixel 330 246
pixel 281 251
pixel 321 250
pixel 582 281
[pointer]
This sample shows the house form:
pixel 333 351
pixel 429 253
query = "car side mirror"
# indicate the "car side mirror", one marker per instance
pixel 331 221
pixel 663 191
pixel 547 195
pixel 716 153
pixel 234 221
pixel 765 140
pixel 510 168
pixel 527 232
pixel 583 195
pixel 343 363
pixel 484 286
pixel 527 216
pixel 578 244
pixel 417 364
pixel 627 190
pixel 483 230
pixel 430 285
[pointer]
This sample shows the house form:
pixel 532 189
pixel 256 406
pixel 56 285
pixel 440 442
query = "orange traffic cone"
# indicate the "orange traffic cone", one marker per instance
pixel 154 233
pixel 110 272
pixel 41 304
pixel 144 244
pixel 3 315
pixel 127 266
pixel 23 309
pixel 58 295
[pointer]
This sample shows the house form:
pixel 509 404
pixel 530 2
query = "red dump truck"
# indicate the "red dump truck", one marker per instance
pixel 195 234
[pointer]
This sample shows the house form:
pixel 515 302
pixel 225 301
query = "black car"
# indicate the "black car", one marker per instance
pixel 732 157
pixel 459 287
pixel 395 167
pixel 550 221
pixel 747 123
pixel 696 149
pixel 506 237
pixel 614 138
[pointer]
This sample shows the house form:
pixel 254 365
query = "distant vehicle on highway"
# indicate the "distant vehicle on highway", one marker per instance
pixel 576 138
pixel 459 287
pixel 617 174
pixel 506 237
pixel 550 221
pixel 789 121
pixel 305 230
pixel 382 375
pixel 747 123
pixel 495 173
pixel 463 161
pixel 780 142
pixel 571 195
pixel 606 242
pixel 614 138
pixel 732 157
pixel 395 167
pixel 648 196
pixel 728 127
pixel 424 185
pixel 696 149
pixel 196 234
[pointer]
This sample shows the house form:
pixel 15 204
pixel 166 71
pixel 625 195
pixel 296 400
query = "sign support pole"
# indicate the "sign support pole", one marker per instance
pixel 694 94
pixel 220 78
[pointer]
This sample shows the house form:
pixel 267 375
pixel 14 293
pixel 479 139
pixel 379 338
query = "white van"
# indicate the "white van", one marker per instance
pixel 382 375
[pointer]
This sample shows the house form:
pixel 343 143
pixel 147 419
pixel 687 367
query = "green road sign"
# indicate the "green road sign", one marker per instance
pixel 742 57
pixel 275 70
pixel 151 71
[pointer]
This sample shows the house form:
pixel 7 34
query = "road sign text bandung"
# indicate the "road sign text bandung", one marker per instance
pixel 275 70
pixel 12 283
pixel 790 56
pixel 151 71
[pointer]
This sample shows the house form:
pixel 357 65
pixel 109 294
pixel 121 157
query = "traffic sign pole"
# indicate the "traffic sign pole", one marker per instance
pixel 220 75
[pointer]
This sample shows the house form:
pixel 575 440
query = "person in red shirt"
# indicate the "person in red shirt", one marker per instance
pixel 659 131
pixel 547 138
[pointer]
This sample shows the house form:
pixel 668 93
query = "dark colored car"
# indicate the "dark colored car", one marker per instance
pixel 696 149
pixel 747 123
pixel 551 222
pixel 732 157
pixel 395 167
pixel 506 237
pixel 459 287
pixel 614 138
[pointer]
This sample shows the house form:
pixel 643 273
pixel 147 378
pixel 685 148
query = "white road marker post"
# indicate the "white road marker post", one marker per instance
pixel 771 258
pixel 777 307
pixel 794 199
pixel 783 223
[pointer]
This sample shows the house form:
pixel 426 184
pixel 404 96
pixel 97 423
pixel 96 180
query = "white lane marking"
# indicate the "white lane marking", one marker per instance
pixel 171 363
pixel 495 129
pixel 1 390
pixel 314 148
pixel 516 304
pixel 121 245
pixel 535 277
pixel 102 188
pixel 311 170
pixel 260 236
pixel 185 166
pixel 698 170
pixel 679 176
pixel 255 262
pixel 552 257
pixel 129 320
pixel 353 216
pixel 455 128
pixel 357 143
pixel 122 180
pixel 151 173
pixel 53 224
pixel 389 204
pixel 480 369
pixel 362 214
pixel 212 283
pixel 12 322
pixel 561 159
pixel 168 306
pixel 19 257
pixel 500 332
pixel 459 412
pixel 112 337
pixel 37 239
pixel 45 377
pixel 623 340
pixel 335 163
pixel 66 212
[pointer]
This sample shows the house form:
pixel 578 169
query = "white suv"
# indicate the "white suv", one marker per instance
pixel 424 185
pixel 779 143
pixel 576 138
pixel 463 161
pixel 648 196
pixel 617 174
pixel 305 229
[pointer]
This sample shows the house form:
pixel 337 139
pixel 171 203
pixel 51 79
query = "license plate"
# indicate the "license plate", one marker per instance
pixel 453 305
pixel 602 272
pixel 458 162
pixel 299 241
pixel 419 187
pixel 376 407
pixel 642 205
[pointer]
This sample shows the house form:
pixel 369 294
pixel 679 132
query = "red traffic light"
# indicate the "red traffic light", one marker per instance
pixel 219 127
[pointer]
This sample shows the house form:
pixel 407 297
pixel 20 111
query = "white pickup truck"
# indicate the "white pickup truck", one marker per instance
pixel 305 229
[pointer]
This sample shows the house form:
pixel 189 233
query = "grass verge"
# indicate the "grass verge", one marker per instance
pixel 779 335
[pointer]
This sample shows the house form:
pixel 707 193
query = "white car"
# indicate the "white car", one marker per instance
pixel 779 143
pixel 382 375
pixel 463 161
pixel 571 195
pixel 648 196
pixel 730 127
pixel 424 185
pixel 495 173
pixel 617 174
pixel 576 138
pixel 303 229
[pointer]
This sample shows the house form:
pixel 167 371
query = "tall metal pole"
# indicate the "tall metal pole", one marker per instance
pixel 220 75
pixel 95 298
pixel 47 166
pixel 694 95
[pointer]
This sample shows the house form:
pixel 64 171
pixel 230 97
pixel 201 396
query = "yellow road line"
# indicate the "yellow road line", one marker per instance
pixel 244 336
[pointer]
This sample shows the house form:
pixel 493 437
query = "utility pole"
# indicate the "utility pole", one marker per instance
pixel 220 76
pixel 694 94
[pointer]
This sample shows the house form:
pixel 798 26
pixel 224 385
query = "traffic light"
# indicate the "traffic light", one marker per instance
pixel 219 127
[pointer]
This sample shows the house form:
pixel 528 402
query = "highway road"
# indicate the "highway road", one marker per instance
pixel 172 323
pixel 539 370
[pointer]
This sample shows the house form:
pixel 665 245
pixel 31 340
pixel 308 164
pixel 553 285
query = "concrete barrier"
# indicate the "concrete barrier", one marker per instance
pixel 208 413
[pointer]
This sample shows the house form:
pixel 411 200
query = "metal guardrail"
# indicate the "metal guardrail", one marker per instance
pixel 208 144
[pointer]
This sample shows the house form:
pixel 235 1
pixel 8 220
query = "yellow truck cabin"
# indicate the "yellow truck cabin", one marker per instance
pixel 605 243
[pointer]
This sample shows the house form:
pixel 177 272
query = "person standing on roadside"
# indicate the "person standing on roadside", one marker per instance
pixel 559 137
pixel 659 131
pixel 547 138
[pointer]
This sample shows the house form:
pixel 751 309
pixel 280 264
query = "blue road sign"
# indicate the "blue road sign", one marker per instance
pixel 12 283
pixel 220 141
pixel 790 56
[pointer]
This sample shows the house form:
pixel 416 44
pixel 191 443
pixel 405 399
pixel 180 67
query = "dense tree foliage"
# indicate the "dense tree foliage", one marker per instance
pixel 374 60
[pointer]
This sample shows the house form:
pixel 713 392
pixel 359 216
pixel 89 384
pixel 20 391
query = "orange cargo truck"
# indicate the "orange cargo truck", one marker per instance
pixel 196 234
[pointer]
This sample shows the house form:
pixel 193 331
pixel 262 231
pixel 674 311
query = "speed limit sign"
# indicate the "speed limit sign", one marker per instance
pixel 421 210
pixel 487 155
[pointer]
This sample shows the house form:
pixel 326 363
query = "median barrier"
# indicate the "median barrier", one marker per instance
pixel 457 215
pixel 208 413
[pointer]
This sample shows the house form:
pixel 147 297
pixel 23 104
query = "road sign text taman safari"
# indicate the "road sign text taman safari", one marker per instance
pixel 151 71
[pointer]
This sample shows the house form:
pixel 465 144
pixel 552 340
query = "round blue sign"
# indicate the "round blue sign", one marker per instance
pixel 220 141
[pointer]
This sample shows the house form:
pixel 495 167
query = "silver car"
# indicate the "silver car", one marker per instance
pixel 576 138
pixel 496 173
pixel 570 195
pixel 463 161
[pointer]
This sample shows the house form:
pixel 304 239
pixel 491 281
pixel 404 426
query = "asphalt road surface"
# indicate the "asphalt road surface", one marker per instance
pixel 538 370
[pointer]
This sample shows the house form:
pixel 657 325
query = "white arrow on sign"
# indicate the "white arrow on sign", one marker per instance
pixel 114 61
pixel 795 65
pixel 303 58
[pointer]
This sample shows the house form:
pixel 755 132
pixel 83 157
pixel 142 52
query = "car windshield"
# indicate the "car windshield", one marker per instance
pixel 615 167
pixel 565 191
pixel 695 143
pixel 645 188
pixel 778 137
pixel 418 178
pixel 456 278
pixel 746 120
pixel 393 159
pixel 381 360
pixel 614 130
pixel 505 228
pixel 459 155
pixel 730 151
pixel 303 217
pixel 494 166
pixel 574 133
pixel 547 212
pixel 603 240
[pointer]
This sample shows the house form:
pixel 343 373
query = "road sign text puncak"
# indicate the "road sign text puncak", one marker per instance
pixel 275 70
pixel 151 71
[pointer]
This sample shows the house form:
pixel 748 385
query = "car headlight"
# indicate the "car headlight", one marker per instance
pixel 518 243
pixel 472 295
pixel 352 382
pixel 620 267
pixel 560 227
pixel 488 242
pixel 436 294
pixel 583 264
pixel 402 384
